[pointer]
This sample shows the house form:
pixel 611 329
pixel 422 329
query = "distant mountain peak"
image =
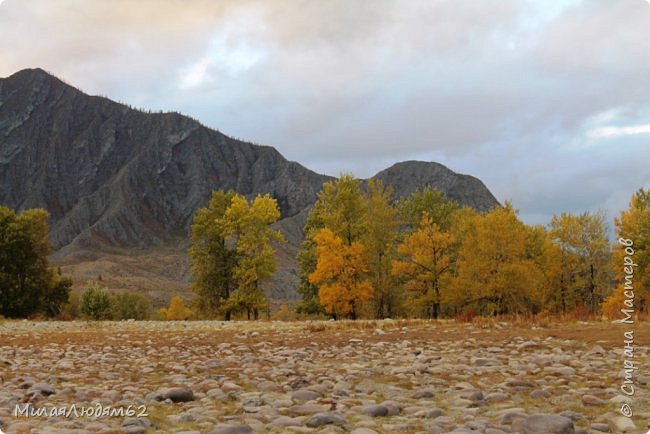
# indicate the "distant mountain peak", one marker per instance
pixel 408 176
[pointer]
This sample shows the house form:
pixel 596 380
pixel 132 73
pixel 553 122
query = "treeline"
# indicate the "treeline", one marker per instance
pixel 365 255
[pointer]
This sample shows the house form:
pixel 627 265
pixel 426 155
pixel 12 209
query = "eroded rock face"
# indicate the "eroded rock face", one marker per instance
pixel 112 176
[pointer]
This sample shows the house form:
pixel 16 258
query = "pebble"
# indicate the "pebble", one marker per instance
pixel 622 425
pixel 232 429
pixel 374 410
pixel 179 394
pixel 327 418
pixel 545 424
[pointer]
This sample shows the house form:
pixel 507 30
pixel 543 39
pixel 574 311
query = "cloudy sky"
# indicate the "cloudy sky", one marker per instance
pixel 547 101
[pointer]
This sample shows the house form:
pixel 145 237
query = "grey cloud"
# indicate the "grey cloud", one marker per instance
pixel 505 90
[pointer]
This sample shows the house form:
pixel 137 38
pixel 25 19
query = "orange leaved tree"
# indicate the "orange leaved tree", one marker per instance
pixel 340 275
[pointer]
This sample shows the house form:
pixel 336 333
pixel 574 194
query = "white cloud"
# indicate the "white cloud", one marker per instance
pixel 614 131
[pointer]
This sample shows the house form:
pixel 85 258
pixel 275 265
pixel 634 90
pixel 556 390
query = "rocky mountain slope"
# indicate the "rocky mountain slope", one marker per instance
pixel 123 182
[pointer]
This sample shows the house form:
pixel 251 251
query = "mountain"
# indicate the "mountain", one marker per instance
pixel 122 184
pixel 409 176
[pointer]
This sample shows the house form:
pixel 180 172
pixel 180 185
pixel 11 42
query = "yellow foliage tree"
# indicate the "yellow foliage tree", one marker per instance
pixel 633 228
pixel 585 259
pixel 423 265
pixel 340 275
pixel 550 259
pixel 249 226
pixel 176 310
pixel 232 252
pixel 495 274
pixel 379 242
pixel 341 209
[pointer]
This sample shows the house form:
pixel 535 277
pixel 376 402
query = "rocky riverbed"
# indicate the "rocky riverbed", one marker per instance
pixel 361 377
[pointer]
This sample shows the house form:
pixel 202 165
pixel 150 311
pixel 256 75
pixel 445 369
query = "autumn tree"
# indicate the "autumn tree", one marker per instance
pixel 213 258
pixel 379 241
pixel 633 230
pixel 340 275
pixel 27 285
pixel 176 311
pixel 423 266
pixel 547 257
pixel 249 226
pixel 232 252
pixel 495 273
pixel 340 208
pixel 585 259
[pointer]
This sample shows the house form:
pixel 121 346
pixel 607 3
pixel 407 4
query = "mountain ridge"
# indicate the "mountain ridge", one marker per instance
pixel 113 177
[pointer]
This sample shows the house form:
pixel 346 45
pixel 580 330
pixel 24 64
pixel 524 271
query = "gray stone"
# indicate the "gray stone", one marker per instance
pixel 307 409
pixel 363 431
pixel 510 415
pixel 622 425
pixel 430 413
pixel 574 416
pixel 137 421
pixel 304 395
pixel 539 394
pixel 374 410
pixel 44 388
pixel 496 397
pixel 520 384
pixel 485 362
pixel 473 395
pixel 445 422
pixel 179 394
pixel 392 406
pixel 547 424
pixel 592 400
pixel 326 418
pixel 600 427
pixel 422 394
pixel 134 429
pixel 216 393
pixel 283 422
pixel 232 429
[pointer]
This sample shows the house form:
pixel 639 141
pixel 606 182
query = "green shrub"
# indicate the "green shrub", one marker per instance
pixel 96 303
pixel 130 305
